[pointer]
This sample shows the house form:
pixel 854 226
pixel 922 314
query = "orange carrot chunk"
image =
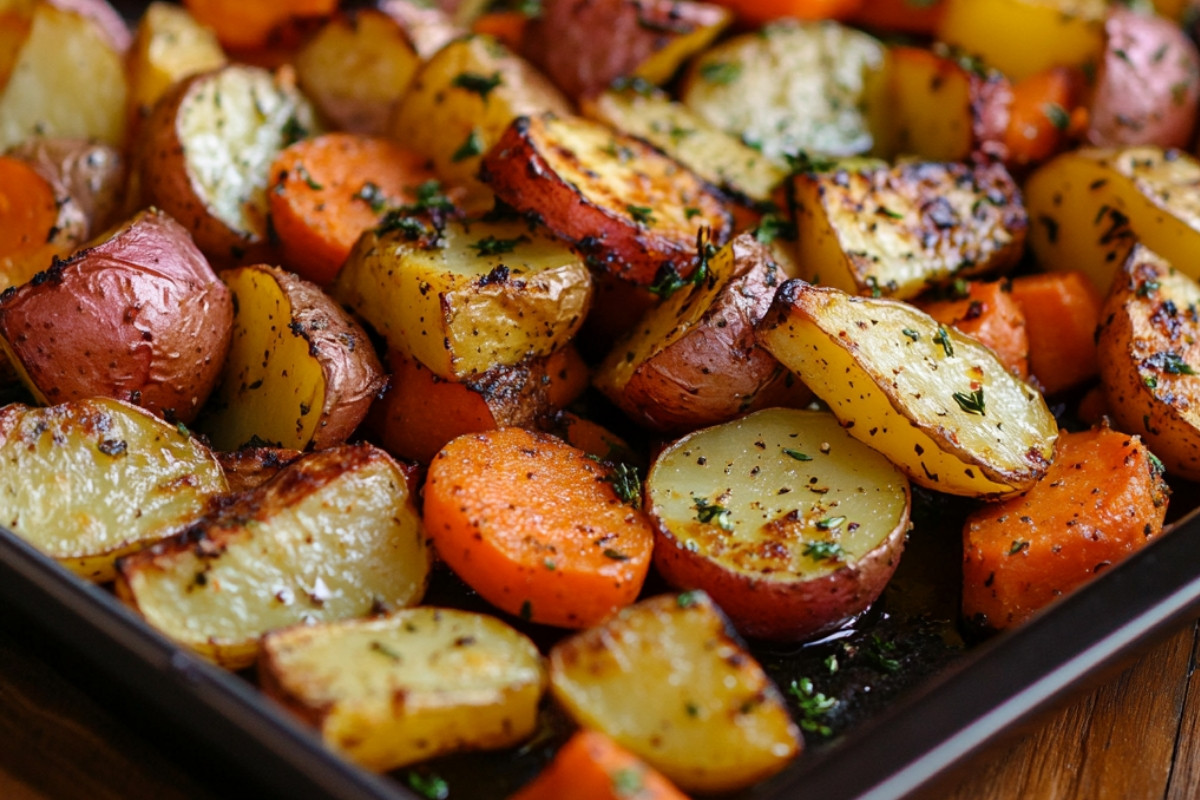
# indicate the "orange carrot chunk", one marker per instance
pixel 1102 499
pixel 591 766
pixel 327 190
pixel 28 215
pixel 536 527
pixel 989 314
pixel 249 24
pixel 1044 115
pixel 506 26
pixel 906 16
pixel 760 12
pixel 1061 311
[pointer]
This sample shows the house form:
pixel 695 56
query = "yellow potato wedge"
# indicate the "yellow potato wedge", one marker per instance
pixel 468 682
pixel 334 535
pixel 1149 348
pixel 666 681
pixel 937 403
pixel 168 46
pixel 895 231
pixel 816 87
pixel 789 523
pixel 301 373
pixel 469 297
pixel 88 481
pixel 1087 208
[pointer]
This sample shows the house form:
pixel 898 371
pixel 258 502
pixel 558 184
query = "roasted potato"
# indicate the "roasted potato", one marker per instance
pixel 468 682
pixel 334 535
pixel 716 156
pixel 206 151
pixel 462 298
pixel 251 467
pixel 656 37
pixel 301 372
pixel 816 87
pixel 462 100
pixel 693 360
pixel 628 208
pixel 62 71
pixel 937 403
pixel 790 524
pixel 1149 348
pixel 666 680
pixel 168 46
pixel 140 317
pixel 90 480
pixel 894 231
pixel 1148 84
pixel 1089 206
pixel 1023 37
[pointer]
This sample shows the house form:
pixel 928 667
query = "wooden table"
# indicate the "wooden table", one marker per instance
pixel 1137 736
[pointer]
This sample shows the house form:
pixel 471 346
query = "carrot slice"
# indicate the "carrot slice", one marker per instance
pixel 1061 311
pixel 327 190
pixel 249 24
pixel 760 12
pixel 591 766
pixel 906 16
pixel 506 26
pixel 1102 499
pixel 1044 115
pixel 28 215
pixel 991 315
pixel 536 527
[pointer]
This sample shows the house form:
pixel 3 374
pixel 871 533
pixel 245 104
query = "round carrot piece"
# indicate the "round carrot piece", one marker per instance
pixel 1042 117
pixel 537 527
pixel 591 766
pixel 327 190
pixel 28 214
pixel 247 24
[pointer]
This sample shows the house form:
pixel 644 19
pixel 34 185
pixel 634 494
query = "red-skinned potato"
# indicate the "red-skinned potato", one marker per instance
pixel 1148 84
pixel 140 317
pixel 790 524
pixel 626 207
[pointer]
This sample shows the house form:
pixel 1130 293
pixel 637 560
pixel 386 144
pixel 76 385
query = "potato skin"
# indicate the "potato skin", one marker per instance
pixel 140 317
pixel 90 174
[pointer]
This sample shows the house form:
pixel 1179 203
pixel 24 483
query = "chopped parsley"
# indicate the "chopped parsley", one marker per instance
pixel 720 72
pixel 712 514
pixel 943 339
pixel 971 403
pixel 813 705
pixel 627 782
pixel 372 195
pixel 1017 546
pixel 385 650
pixel 481 85
pixel 472 146
pixel 431 786
pixel 796 454
pixel 878 655
pixel 1147 288
pixel 829 523
pixel 686 599
pixel 642 215
pixel 627 484
pixel 615 555
pixel 303 174
pixel 1057 115
pixel 823 551
pixel 772 227
pixel 491 246
pixel 911 334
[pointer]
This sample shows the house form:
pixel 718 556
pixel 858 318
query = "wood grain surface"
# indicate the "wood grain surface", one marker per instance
pixel 1135 736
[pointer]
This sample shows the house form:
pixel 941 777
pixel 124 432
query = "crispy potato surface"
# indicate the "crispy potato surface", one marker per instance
pixel 168 46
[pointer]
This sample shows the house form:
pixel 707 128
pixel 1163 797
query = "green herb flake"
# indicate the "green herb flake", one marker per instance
pixel 302 173
pixel 943 339
pixel 831 663
pixel 627 484
pixel 384 650
pixel 627 782
pixel 796 454
pixel 691 213
pixel 720 72
pixel 615 555
pixel 1017 546
pixel 813 705
pixel 823 551
pixel 1150 381
pixel 182 429
pixel 712 514
pixel 472 146
pixel 481 85
pixel 911 334
pixel 642 215
pixel 772 227
pixel 829 523
pixel 1057 115
pixel 687 599
pixel 372 195
pixel 491 246
pixel 879 655
pixel 889 213
pixel 1147 288
pixel 430 786
pixel 971 403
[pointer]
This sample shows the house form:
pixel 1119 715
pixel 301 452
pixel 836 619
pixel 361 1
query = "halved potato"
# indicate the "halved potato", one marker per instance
pixel 665 679
pixel 628 208
pixel 716 156
pixel 301 372
pixel 693 360
pixel 894 231
pixel 812 87
pixel 468 682
pixel 655 37
pixel 1149 350
pixel 140 316
pixel 168 46
pixel 335 535
pixel 462 100
pixel 937 403
pixel 790 524
pixel 469 297
pixel 1088 207
pixel 207 149
pixel 88 481
pixel 64 75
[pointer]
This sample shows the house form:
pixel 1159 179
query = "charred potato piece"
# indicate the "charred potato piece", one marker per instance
pixel 1024 37
pixel 64 74
pixel 466 297
pixel 790 524
pixel 462 100
pixel 693 360
pixel 251 467
pixel 815 87
pixel 357 68
pixel 289 552
pixel 716 156
pixel 665 679
pixel 301 372
pixel 894 231
pixel 1149 349
pixel 655 36
pixel 628 208
pixel 937 403
pixel 1089 206
pixel 88 481
pixel 140 317
pixel 1148 85
pixel 168 46
pixel 469 682
pixel 207 150
pixel 946 108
